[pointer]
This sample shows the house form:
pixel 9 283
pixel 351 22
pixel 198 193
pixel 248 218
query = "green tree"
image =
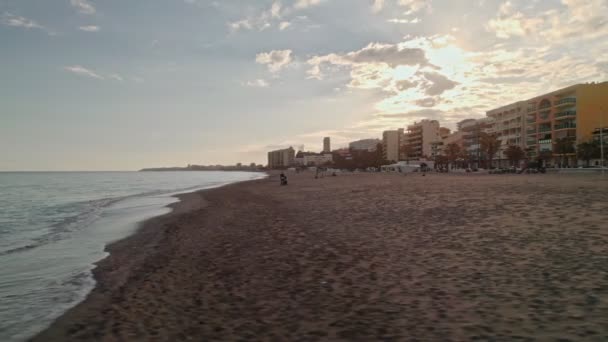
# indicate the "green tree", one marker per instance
pixel 489 145
pixel 514 154
pixel 564 146
pixel 588 150
pixel 452 152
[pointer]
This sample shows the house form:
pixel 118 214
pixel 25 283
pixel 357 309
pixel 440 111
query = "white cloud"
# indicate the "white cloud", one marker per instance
pixel 90 28
pixel 275 16
pixel 86 72
pixel 275 9
pixel 301 4
pixel 116 77
pixel 83 6
pixel 10 19
pixel 275 60
pixel 403 21
pixel 377 5
pixel 370 62
pixel 414 6
pixel 259 83
pixel 82 71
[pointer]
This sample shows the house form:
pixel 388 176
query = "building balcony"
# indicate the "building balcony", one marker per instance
pixel 545 105
pixel 568 125
pixel 566 101
pixel 531 120
pixel 544 129
pixel 568 113
pixel 531 131
pixel 531 142
pixel 531 109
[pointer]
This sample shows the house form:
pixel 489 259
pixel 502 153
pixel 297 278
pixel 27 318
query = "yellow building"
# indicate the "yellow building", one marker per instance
pixel 573 113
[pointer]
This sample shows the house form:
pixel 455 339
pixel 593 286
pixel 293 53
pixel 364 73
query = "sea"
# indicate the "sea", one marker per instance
pixel 55 225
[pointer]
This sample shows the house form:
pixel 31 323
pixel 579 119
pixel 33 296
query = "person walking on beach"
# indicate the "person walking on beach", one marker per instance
pixel 283 179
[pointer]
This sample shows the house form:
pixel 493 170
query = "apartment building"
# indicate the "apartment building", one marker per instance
pixel 326 145
pixel 391 144
pixel 471 134
pixel 369 145
pixel 281 158
pixel 573 113
pixel 510 127
pixel 421 137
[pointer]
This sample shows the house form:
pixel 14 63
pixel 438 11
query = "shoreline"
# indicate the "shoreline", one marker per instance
pixel 368 256
pixel 147 232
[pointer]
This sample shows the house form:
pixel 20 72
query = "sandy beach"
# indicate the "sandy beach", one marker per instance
pixel 361 257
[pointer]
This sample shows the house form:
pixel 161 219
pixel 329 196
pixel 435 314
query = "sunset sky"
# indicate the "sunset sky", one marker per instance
pixel 126 84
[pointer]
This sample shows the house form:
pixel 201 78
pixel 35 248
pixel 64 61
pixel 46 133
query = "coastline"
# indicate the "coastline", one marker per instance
pixel 130 251
pixel 366 256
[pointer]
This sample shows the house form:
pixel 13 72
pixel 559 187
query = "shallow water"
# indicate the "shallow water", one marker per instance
pixel 55 225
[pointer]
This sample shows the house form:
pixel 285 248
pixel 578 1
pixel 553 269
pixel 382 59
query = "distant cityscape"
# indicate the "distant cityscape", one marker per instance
pixel 562 128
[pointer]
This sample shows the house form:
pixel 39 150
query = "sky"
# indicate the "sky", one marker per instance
pixel 128 84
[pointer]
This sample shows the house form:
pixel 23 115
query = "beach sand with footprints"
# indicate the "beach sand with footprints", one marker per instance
pixel 362 257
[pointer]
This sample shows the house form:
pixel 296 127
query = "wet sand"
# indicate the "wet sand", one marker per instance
pixel 361 257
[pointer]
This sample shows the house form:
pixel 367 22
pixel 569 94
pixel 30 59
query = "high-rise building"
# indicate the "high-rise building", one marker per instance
pixel 509 125
pixel 421 137
pixel 572 113
pixel 472 130
pixel 326 145
pixel 281 158
pixel 391 144
pixel 365 145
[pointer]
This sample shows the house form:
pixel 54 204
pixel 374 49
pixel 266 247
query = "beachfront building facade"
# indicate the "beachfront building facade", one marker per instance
pixel 326 145
pixel 313 159
pixel 281 158
pixel 472 130
pixel 570 114
pixel 438 148
pixel 391 144
pixel 508 123
pixel 421 137
pixel 369 145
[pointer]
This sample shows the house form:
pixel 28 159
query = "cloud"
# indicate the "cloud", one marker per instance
pixel 377 5
pixel 275 60
pixel 259 83
pixel 577 19
pixel 274 16
pixel 82 71
pixel 403 21
pixel 85 72
pixel 116 77
pixel 12 20
pixel 370 66
pixel 427 102
pixel 83 6
pixel 414 6
pixel 90 28
pixel 301 4
pixel 437 83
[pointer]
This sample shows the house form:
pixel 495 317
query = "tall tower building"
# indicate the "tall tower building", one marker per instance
pixel 326 145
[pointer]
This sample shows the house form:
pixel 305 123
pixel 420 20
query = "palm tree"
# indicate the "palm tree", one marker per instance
pixel 489 145
pixel 564 146
pixel 514 153
pixel 452 152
